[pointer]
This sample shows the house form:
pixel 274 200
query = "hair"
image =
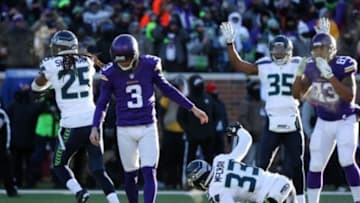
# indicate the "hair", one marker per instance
pixel 69 62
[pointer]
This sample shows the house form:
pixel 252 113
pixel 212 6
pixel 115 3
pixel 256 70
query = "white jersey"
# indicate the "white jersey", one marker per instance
pixel 235 181
pixel 73 89
pixel 276 81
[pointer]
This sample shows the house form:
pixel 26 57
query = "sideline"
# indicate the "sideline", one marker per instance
pixel 160 192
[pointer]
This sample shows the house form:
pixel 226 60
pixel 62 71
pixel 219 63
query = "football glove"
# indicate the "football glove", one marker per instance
pixel 228 32
pixel 323 26
pixel 324 68
pixel 302 66
pixel 232 129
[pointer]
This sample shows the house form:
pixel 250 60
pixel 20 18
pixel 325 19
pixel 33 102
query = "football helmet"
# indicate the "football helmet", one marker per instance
pixel 198 174
pixel 327 43
pixel 64 42
pixel 281 49
pixel 124 51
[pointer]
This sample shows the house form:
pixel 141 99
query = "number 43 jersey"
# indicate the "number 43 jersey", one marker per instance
pixel 276 85
pixel 234 181
pixel 73 89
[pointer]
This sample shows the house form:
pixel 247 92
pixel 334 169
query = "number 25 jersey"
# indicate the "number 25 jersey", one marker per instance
pixel 73 89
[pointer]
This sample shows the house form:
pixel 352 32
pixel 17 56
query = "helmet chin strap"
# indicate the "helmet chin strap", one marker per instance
pixel 125 68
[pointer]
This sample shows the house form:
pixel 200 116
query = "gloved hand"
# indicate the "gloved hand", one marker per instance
pixel 228 32
pixel 324 68
pixel 323 26
pixel 302 66
pixel 232 129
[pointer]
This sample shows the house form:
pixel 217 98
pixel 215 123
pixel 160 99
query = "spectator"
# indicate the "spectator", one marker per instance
pixel 222 119
pixel 6 171
pixel 172 146
pixel 23 113
pixel 17 44
pixel 198 134
pixel 94 15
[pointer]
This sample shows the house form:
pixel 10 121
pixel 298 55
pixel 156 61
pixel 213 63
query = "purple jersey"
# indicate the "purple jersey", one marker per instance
pixel 134 92
pixel 328 104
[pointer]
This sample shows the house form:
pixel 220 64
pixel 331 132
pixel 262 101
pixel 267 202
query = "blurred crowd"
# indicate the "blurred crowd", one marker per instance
pixel 184 33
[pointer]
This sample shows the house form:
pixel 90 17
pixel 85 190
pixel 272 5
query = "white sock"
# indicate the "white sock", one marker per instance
pixel 355 190
pixel 73 185
pixel 112 198
pixel 300 198
pixel 313 195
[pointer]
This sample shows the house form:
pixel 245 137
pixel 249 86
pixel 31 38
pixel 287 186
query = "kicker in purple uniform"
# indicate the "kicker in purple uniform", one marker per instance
pixel 132 77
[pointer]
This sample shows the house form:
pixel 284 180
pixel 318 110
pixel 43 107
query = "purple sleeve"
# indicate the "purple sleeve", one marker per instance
pixel 170 91
pixel 102 102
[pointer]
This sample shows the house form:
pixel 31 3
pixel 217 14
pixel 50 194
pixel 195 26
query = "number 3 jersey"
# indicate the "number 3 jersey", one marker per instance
pixel 328 104
pixel 276 83
pixel 235 181
pixel 73 89
pixel 134 92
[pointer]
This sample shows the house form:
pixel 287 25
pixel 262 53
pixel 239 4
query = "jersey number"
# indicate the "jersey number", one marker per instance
pixel 280 84
pixel 323 92
pixel 80 75
pixel 241 180
pixel 135 92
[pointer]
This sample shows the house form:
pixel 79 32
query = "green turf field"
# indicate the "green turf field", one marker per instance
pixel 163 197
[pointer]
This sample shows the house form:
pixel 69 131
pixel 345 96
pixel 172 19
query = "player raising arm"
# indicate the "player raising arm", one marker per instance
pixel 229 180
pixel 277 74
pixel 71 76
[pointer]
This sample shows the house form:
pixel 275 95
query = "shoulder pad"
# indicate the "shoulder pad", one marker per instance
pixel 296 59
pixel 347 63
pixel 153 60
pixel 263 60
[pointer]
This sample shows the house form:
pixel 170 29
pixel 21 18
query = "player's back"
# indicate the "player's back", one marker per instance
pixel 277 81
pixel 73 89
pixel 238 181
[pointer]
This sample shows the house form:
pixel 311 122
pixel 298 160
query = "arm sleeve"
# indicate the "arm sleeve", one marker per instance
pixel 102 103
pixel 243 146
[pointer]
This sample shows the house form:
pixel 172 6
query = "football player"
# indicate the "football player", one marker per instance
pixel 229 180
pixel 328 81
pixel 71 76
pixel 132 77
pixel 276 74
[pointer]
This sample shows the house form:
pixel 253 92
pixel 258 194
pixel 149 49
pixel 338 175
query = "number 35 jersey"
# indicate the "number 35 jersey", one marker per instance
pixel 276 83
pixel 73 89
pixel 235 181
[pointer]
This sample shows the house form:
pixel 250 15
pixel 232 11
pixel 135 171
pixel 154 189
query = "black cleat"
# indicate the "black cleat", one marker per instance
pixel 82 196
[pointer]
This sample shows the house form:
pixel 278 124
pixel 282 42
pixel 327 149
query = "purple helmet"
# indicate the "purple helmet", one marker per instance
pixel 281 49
pixel 324 40
pixel 124 48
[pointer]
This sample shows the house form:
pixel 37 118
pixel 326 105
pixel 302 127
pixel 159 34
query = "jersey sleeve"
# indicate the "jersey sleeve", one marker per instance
pixel 169 90
pixel 47 67
pixel 106 89
pixel 350 66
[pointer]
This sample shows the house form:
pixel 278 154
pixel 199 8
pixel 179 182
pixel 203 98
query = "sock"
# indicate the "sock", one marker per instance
pixel 314 184
pixel 103 179
pixel 353 179
pixel 300 198
pixel 131 186
pixel 112 198
pixel 150 184
pixel 313 195
pixel 73 185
